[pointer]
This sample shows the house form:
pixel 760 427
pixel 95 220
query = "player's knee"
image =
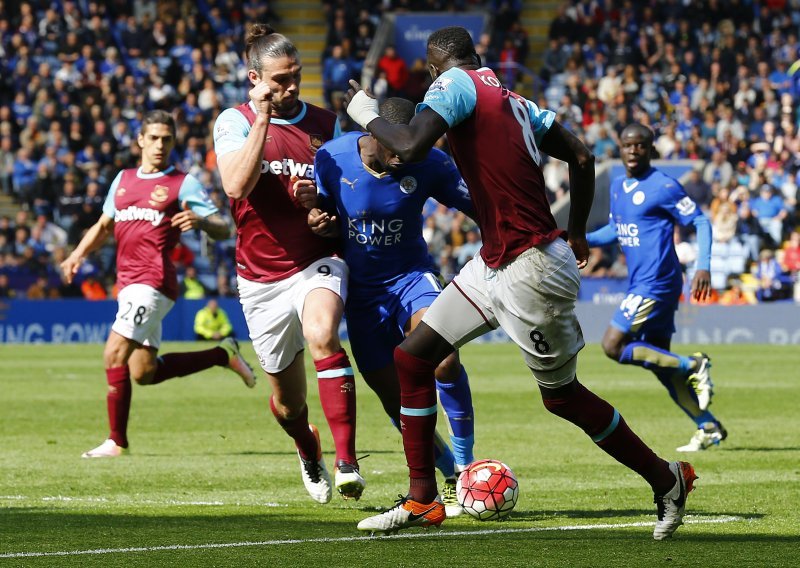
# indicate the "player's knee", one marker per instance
pixel 449 370
pixel 612 349
pixel 322 341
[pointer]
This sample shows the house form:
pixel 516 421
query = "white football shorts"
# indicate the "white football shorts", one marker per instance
pixel 141 309
pixel 274 310
pixel 532 298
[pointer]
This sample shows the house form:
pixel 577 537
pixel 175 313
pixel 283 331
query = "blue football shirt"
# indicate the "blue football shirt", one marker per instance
pixel 380 215
pixel 644 212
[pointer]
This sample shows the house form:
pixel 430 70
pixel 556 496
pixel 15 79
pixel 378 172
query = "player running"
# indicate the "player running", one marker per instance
pixel 146 210
pixel 645 205
pixel 525 280
pixel 376 201
pixel 291 286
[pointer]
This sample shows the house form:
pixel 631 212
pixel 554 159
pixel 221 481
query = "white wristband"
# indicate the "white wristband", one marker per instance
pixel 363 109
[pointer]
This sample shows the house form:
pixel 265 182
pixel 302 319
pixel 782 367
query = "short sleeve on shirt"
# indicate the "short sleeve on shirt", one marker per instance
pixel 108 205
pixel 452 96
pixel 193 192
pixel 230 132
pixel 541 120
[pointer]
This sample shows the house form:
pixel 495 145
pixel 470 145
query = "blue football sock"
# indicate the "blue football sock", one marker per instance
pixel 456 399
pixel 684 396
pixel 654 358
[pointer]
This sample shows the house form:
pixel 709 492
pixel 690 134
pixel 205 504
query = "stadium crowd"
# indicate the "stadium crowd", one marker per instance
pixel 716 80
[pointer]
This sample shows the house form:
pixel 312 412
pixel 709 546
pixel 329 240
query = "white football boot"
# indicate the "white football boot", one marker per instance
pixel 450 498
pixel 707 436
pixel 108 449
pixel 672 505
pixel 237 363
pixel 349 482
pixel 699 380
pixel 315 475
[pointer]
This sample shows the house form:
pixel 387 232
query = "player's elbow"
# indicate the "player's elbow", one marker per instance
pixel 584 159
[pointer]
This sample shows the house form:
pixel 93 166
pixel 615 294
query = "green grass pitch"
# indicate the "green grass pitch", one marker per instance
pixel 213 481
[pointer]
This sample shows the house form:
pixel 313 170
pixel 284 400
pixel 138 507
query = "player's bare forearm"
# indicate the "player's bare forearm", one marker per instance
pixel 91 241
pixel 411 142
pixel 563 145
pixel 215 227
pixel 241 169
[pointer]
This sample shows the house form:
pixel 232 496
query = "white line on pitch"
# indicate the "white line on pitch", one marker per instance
pixel 127 501
pixel 689 520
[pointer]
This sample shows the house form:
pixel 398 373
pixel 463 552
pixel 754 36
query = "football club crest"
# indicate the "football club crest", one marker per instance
pixel 120 192
pixel 315 141
pixel 638 198
pixel 408 185
pixel 159 195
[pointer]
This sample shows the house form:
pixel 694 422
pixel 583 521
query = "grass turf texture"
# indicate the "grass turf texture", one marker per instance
pixel 209 466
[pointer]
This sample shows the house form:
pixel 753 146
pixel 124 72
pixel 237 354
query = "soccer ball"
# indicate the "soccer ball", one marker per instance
pixel 487 489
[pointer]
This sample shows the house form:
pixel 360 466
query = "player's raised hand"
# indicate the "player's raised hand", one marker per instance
pixel 305 191
pixel 261 95
pixel 701 285
pixel 187 219
pixel 580 248
pixel 360 104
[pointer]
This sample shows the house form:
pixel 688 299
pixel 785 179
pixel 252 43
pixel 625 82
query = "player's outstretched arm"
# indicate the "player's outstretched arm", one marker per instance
pixel 563 145
pixel 410 142
pixel 91 241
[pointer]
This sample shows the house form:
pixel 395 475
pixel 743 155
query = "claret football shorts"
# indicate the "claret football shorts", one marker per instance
pixel 273 310
pixel 532 298
pixel 141 309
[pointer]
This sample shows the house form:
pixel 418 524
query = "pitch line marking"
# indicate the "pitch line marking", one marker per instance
pixel 689 521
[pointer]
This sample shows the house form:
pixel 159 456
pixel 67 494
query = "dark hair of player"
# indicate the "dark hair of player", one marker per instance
pixel 262 41
pixel 158 117
pixel 454 43
pixel 397 111
pixel 645 131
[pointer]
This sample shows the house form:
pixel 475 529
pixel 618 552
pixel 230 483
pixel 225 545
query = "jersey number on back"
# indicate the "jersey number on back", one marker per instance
pixel 523 117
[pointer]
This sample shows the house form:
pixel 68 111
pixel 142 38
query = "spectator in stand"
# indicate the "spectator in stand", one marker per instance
pixel 191 288
pixel 509 60
pixel 791 254
pixel 734 295
pixel 337 70
pixel 718 169
pixel 772 283
pixel 770 211
pixel 697 188
pixel 396 71
pixel 212 323
pixel 93 289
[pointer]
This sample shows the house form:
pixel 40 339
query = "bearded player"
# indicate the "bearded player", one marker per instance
pixel 147 208
pixel 291 286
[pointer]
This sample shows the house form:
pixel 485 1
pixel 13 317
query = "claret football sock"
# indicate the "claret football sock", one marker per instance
pixel 118 400
pixel 337 394
pixel 171 365
pixel 606 427
pixel 298 430
pixel 418 420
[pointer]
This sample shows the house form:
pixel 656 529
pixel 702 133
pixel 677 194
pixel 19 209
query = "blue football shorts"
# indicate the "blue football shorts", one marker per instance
pixel 376 318
pixel 641 317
